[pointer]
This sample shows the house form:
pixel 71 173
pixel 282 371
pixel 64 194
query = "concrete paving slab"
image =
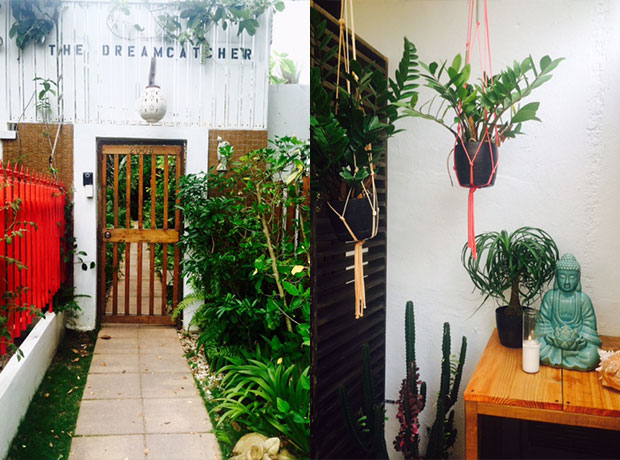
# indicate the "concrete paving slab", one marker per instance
pixel 197 446
pixel 118 345
pixel 119 331
pixel 139 382
pixel 162 362
pixel 159 332
pixel 112 386
pixel 160 345
pixel 108 448
pixel 110 416
pixel 175 385
pixel 114 363
pixel 176 415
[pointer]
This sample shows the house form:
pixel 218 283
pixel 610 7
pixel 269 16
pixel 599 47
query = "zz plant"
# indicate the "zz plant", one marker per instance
pixel 348 133
pixel 491 104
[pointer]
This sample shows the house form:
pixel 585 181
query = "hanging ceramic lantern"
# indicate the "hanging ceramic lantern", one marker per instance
pixel 152 104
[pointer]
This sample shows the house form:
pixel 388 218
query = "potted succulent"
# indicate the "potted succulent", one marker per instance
pixel 348 131
pixel 523 262
pixel 481 115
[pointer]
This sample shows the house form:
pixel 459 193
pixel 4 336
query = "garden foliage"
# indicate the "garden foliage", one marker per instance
pixel 246 242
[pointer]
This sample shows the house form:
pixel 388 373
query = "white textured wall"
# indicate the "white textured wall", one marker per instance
pixel 561 176
pixel 289 111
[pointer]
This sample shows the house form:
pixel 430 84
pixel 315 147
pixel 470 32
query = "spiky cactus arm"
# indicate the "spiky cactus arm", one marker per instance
pixel 350 420
pixel 379 447
pixel 435 447
pixel 454 394
pixel 450 434
pixel 409 336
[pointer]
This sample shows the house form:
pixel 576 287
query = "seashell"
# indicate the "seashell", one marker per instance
pixel 609 368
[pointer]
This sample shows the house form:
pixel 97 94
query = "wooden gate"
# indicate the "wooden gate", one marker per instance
pixel 139 226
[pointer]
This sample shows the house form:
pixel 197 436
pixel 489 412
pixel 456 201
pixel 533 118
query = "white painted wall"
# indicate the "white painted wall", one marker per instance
pixel 103 71
pixel 85 211
pixel 20 378
pixel 289 111
pixel 560 176
pixel 291 35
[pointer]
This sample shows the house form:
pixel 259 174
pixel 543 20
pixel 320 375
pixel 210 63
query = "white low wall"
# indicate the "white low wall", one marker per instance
pixel 20 378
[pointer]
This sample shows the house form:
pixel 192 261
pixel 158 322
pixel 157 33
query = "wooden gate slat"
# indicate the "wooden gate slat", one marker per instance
pixel 153 226
pixel 140 211
pixel 164 268
pixel 128 225
pixel 115 255
pixel 102 195
pixel 177 226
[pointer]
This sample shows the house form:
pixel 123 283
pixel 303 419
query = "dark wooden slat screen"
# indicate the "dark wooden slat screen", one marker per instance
pixel 337 337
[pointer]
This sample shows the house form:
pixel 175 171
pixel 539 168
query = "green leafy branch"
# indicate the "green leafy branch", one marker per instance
pixel 491 104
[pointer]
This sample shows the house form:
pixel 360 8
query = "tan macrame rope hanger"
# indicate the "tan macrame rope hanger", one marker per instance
pixel 370 195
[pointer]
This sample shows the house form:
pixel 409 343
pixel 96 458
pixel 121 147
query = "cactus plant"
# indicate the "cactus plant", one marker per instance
pixel 367 430
pixel 443 433
pixel 412 398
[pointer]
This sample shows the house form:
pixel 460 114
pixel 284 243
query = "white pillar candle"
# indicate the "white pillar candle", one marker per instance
pixel 531 356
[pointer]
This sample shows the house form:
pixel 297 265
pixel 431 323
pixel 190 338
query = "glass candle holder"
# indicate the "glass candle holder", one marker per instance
pixel 531 344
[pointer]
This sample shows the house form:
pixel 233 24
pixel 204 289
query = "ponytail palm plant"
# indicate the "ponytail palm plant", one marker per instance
pixel 521 262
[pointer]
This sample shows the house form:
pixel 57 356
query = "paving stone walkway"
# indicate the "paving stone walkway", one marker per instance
pixel 140 400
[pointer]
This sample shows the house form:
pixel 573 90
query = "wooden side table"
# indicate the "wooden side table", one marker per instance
pixel 499 387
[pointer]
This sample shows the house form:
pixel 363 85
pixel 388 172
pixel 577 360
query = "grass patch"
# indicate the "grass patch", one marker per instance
pixel 226 436
pixel 46 431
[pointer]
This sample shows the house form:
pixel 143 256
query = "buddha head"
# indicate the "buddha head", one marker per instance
pixel 568 274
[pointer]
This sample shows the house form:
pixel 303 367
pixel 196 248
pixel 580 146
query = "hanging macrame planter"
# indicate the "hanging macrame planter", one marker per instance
pixel 476 163
pixel 357 217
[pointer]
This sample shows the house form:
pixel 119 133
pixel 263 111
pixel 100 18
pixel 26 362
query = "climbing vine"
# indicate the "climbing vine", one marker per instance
pixel 34 20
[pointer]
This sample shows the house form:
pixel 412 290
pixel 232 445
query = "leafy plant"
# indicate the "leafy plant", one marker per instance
pixel 195 18
pixel 348 132
pixel 368 429
pixel 268 397
pixel 34 20
pixel 247 237
pixel 492 104
pixel 523 261
pixel 282 69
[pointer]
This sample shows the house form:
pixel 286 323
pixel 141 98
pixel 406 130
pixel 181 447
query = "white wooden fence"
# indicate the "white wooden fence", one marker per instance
pixel 101 61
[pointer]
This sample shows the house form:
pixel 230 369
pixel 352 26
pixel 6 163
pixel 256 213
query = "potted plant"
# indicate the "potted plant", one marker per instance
pixel 481 115
pixel 349 126
pixel 522 261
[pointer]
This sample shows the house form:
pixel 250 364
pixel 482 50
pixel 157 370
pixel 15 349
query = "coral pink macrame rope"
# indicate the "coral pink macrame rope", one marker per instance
pixel 486 68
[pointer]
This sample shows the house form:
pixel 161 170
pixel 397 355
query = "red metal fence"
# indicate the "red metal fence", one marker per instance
pixel 32 224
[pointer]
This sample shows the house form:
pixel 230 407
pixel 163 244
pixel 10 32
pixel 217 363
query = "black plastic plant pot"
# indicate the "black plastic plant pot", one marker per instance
pixel 509 328
pixel 358 215
pixel 483 163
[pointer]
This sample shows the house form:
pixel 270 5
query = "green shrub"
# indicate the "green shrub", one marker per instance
pixel 246 262
pixel 270 398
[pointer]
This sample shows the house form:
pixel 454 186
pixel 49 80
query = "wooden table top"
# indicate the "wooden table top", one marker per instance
pixel 499 379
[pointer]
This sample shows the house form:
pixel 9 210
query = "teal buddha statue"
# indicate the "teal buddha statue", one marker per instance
pixel 566 324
